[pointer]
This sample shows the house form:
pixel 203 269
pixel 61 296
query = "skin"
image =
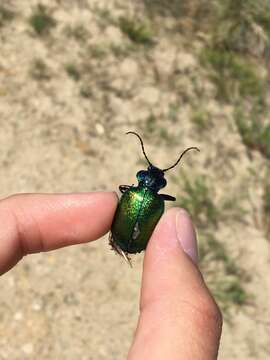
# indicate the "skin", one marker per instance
pixel 178 317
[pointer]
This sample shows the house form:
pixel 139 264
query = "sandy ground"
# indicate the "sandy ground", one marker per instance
pixel 82 302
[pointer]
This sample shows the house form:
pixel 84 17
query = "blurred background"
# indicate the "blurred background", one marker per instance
pixel 74 77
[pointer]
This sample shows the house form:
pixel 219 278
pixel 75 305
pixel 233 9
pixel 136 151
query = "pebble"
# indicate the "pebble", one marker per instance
pixel 100 129
pixel 28 348
pixel 18 316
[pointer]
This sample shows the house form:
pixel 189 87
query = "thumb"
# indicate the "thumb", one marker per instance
pixel 179 318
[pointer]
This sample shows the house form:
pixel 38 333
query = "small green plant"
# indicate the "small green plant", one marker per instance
pixel 41 21
pixel 231 207
pixel 104 16
pixel 86 91
pixel 173 8
pixel 98 52
pixel 266 208
pixel 39 70
pixel 73 72
pixel 241 25
pixel 266 200
pixel 198 201
pixel 212 250
pixel 121 51
pixel 150 123
pixel 6 15
pixel 173 112
pixel 228 292
pixel 165 135
pixel 254 131
pixel 264 20
pixel 156 129
pixel 137 31
pixel 232 75
pixel 78 32
pixel 201 119
pixel 223 275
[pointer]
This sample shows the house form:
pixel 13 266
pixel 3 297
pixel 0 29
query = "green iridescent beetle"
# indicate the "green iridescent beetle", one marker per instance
pixel 139 209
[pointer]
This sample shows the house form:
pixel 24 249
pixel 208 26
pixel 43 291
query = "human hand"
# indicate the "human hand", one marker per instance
pixel 33 223
pixel 178 320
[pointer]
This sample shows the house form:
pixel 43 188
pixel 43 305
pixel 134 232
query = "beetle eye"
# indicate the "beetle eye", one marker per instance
pixel 162 183
pixel 141 175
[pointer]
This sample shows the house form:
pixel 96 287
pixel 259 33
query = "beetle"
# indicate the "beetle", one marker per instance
pixel 140 208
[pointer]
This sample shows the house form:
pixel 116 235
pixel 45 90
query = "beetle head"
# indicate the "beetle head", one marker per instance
pixel 152 178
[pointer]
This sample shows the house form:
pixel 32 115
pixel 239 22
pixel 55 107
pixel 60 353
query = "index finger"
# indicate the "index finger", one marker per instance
pixel 40 222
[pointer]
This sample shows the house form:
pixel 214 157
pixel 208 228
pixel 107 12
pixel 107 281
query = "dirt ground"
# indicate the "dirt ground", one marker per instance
pixel 67 97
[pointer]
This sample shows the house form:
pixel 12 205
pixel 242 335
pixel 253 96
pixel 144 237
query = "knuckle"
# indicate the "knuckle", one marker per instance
pixel 209 315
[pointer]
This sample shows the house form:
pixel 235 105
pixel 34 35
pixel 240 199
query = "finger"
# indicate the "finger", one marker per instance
pixel 179 318
pixel 38 222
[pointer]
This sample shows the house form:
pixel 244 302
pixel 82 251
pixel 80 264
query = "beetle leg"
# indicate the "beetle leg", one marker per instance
pixel 166 197
pixel 126 257
pixel 119 251
pixel 124 188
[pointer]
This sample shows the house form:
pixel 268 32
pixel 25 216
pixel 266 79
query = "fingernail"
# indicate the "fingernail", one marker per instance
pixel 186 235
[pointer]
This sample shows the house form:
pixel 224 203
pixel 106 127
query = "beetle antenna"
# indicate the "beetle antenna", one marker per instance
pixel 183 153
pixel 141 141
